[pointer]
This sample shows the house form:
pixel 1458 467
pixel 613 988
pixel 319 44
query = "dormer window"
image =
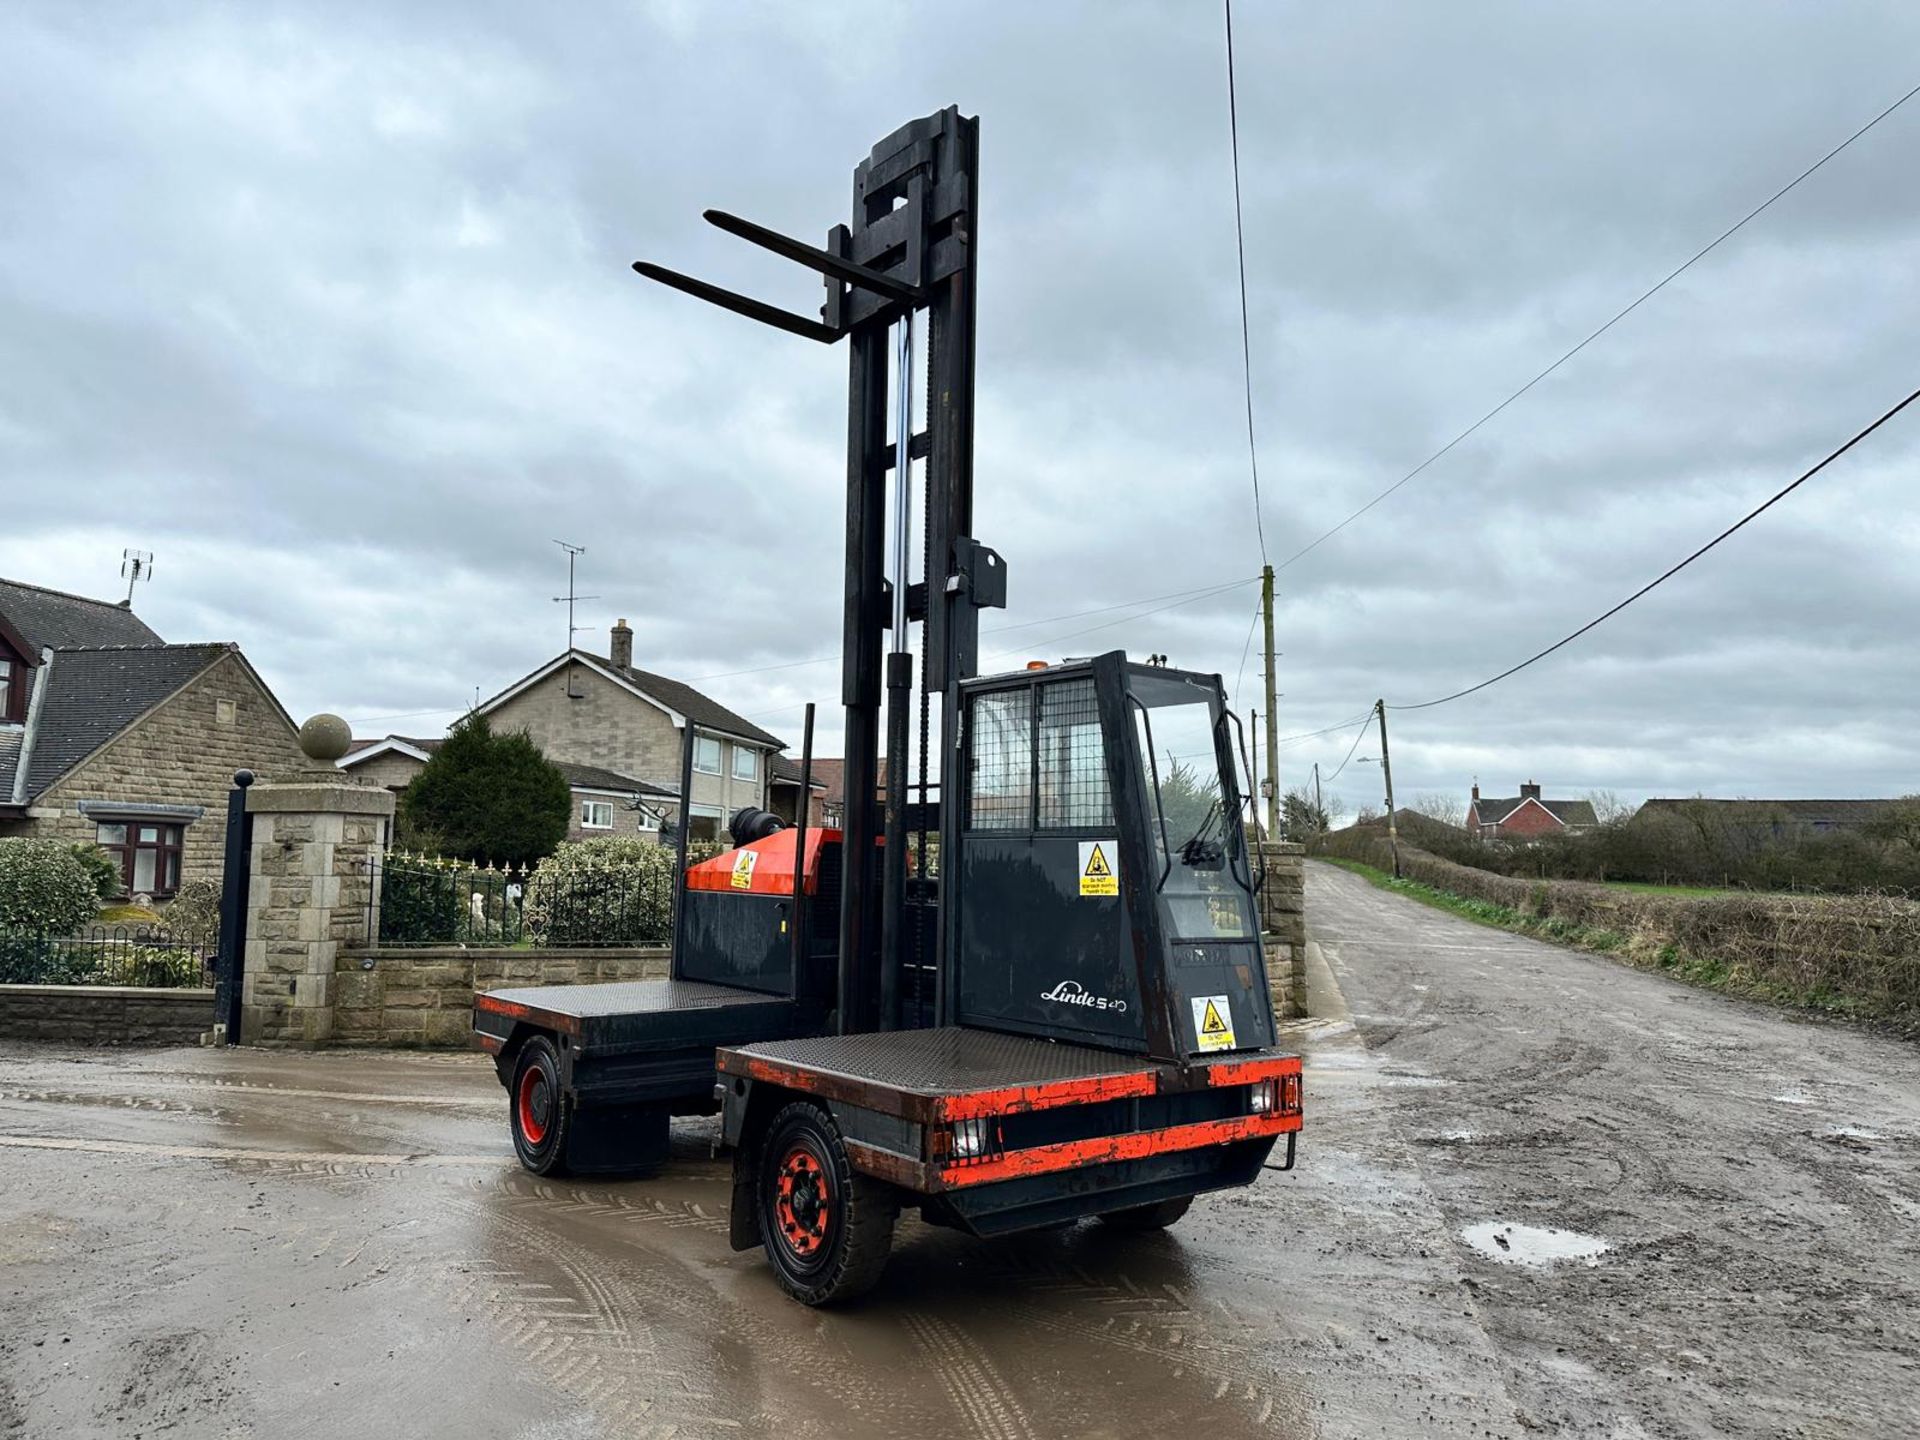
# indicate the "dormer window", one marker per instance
pixel 13 690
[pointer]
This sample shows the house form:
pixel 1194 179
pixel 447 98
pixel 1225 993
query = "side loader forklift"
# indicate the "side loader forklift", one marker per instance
pixel 1023 987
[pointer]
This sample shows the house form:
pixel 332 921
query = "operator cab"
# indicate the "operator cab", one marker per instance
pixel 1103 892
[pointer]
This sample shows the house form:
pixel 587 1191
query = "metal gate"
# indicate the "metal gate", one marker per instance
pixel 229 986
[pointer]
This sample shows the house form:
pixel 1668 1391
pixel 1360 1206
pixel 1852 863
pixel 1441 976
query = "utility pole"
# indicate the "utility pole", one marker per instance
pixel 1253 764
pixel 1386 769
pixel 1319 805
pixel 1273 723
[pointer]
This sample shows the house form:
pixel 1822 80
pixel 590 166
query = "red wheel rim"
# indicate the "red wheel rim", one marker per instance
pixel 534 1103
pixel 802 1201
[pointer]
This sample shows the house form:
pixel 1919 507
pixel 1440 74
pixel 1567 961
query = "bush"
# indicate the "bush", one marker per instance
pixel 45 887
pixel 161 965
pixel 104 869
pixel 194 912
pixel 614 890
pixel 491 799
pixel 421 907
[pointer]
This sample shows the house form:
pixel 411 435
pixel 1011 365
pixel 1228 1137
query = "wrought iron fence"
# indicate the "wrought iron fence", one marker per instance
pixel 621 899
pixel 140 955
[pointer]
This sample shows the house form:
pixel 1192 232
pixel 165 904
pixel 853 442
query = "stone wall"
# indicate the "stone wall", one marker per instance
pixel 104 1014
pixel 184 753
pixel 425 997
pixel 392 771
pixel 1283 921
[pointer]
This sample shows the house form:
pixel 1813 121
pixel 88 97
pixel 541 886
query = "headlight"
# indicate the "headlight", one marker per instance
pixel 969 1139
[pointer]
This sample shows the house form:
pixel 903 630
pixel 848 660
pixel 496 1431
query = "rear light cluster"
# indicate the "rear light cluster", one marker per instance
pixel 1280 1095
pixel 967 1141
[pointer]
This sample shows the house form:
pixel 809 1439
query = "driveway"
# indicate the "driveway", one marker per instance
pixel 251 1243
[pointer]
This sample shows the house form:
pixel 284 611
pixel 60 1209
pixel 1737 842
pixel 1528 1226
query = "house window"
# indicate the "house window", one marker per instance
pixel 746 763
pixel 13 690
pixel 148 855
pixel 596 815
pixel 706 754
pixel 703 823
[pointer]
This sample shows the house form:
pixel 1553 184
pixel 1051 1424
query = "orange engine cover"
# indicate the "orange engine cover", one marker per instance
pixel 764 867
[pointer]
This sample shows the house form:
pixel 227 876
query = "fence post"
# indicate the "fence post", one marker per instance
pixel 230 968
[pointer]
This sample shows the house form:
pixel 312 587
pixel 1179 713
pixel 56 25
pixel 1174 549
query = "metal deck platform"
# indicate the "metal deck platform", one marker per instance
pixel 630 997
pixel 950 1060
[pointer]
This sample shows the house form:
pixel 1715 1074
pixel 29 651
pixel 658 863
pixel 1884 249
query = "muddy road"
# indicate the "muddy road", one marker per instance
pixel 250 1244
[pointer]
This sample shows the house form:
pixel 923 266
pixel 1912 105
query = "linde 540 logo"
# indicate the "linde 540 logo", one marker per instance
pixel 1072 992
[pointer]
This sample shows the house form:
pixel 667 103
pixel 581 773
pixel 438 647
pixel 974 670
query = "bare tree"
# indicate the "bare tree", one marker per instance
pixel 1438 805
pixel 1608 807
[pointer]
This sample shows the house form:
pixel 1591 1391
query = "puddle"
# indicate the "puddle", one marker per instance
pixel 1792 1097
pixel 1417 1082
pixel 1457 1137
pixel 1532 1246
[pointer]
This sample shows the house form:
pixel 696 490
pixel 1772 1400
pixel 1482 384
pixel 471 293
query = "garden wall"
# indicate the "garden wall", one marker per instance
pixel 1284 928
pixel 1857 953
pixel 425 997
pixel 105 1014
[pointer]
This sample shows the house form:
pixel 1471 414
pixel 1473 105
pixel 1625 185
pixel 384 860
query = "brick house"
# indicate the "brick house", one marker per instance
pixel 604 801
pixel 108 734
pixel 1527 816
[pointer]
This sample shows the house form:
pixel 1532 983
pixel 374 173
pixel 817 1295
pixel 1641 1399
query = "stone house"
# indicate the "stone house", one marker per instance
pixel 617 731
pixel 1527 816
pixel 604 801
pixel 110 735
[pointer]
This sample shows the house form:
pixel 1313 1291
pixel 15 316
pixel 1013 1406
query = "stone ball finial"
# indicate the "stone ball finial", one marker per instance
pixel 326 737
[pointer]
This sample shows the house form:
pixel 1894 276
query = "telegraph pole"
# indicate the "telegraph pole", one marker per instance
pixel 1386 769
pixel 1273 723
pixel 1319 805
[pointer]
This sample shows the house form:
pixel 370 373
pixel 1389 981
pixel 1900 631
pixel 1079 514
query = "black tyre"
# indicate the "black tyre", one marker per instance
pixel 537 1111
pixel 1157 1216
pixel 826 1229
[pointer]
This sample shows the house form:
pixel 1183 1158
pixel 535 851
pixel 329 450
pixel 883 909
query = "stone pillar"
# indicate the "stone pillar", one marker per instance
pixel 1283 922
pixel 310 892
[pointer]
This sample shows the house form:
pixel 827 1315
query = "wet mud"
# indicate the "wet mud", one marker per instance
pixel 259 1244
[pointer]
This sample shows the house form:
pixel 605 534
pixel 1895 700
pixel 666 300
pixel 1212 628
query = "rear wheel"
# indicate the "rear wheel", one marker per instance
pixel 826 1229
pixel 1157 1216
pixel 537 1111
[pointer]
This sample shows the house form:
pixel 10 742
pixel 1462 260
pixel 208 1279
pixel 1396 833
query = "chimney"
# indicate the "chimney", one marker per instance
pixel 621 651
pixel 1530 790
pixel 1476 792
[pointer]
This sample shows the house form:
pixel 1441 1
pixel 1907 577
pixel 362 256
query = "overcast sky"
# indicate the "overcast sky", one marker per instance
pixel 329 307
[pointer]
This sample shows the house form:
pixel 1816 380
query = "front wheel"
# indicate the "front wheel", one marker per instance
pixel 826 1229
pixel 537 1111
pixel 1157 1216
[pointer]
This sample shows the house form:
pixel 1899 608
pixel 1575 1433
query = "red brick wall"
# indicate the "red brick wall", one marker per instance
pixel 1530 820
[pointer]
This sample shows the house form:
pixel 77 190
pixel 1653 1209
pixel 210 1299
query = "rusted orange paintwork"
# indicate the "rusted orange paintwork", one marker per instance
pixel 514 1010
pixel 1246 1072
pixel 1017 1098
pixel 1073 1154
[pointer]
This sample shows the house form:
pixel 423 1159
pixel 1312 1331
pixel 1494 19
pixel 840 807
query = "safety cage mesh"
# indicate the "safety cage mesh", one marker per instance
pixel 1058 783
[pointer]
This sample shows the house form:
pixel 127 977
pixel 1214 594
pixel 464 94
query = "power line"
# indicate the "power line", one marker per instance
pixel 1358 736
pixel 1600 619
pixel 1052 640
pixel 1247 649
pixel 1325 730
pixel 1182 595
pixel 1666 280
pixel 1240 246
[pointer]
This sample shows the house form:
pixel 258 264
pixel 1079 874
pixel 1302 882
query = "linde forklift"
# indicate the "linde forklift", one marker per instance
pixel 1024 988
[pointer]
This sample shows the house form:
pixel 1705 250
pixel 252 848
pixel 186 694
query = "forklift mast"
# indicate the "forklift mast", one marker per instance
pixel 1052 783
pixel 912 246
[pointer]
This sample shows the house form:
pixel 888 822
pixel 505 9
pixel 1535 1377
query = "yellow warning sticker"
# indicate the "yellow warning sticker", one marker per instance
pixel 1099 867
pixel 743 864
pixel 1212 1022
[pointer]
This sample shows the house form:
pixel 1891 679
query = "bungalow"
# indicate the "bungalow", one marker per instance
pixel 1527 816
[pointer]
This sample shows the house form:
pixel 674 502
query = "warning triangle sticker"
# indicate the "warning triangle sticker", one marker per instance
pixel 1097 867
pixel 1211 1023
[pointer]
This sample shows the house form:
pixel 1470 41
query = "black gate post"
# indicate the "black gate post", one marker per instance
pixel 230 975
